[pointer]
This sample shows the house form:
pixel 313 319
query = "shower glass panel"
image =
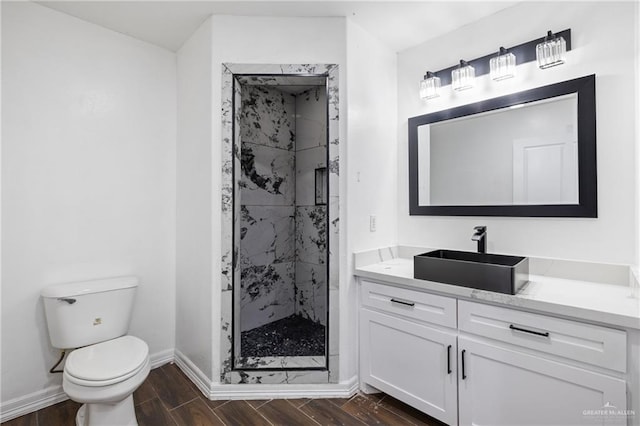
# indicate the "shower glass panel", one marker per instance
pixel 281 301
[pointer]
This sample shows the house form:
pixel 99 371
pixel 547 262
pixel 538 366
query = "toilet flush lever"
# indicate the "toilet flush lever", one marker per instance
pixel 68 300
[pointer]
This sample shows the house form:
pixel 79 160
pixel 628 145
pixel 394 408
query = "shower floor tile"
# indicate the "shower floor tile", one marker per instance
pixel 290 336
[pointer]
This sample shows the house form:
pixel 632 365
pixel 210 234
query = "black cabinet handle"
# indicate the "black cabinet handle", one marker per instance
pixel 402 302
pixel 537 333
pixel 449 359
pixel 464 375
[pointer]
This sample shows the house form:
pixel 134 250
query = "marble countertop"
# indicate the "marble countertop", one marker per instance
pixel 610 304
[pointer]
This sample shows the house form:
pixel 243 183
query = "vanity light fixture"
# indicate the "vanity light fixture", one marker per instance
pixel 551 51
pixel 463 77
pixel 430 86
pixel 548 51
pixel 502 66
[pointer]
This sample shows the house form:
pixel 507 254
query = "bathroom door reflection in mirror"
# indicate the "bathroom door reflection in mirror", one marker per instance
pixel 531 153
pixel 524 154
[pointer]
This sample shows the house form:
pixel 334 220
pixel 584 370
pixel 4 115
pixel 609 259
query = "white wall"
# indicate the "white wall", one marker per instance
pixel 600 36
pixel 371 171
pixel 193 229
pixel 88 179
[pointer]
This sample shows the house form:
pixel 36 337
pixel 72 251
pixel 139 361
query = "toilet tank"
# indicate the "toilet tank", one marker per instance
pixel 87 312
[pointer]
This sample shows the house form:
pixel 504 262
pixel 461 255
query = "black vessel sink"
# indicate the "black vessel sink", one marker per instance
pixel 492 272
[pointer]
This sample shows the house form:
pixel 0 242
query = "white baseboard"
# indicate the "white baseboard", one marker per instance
pixel 35 401
pixel 161 358
pixel 38 400
pixel 215 391
pixel 193 373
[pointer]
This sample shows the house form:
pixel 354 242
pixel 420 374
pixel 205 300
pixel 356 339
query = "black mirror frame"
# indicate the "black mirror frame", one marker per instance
pixel 587 206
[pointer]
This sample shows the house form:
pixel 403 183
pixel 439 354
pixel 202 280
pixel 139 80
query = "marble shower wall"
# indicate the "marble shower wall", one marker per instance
pixel 311 219
pixel 267 206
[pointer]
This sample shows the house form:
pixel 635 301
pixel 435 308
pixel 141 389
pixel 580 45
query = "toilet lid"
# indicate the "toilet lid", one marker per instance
pixel 107 360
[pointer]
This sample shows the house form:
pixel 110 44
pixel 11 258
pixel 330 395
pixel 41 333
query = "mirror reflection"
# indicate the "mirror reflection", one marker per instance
pixel 524 154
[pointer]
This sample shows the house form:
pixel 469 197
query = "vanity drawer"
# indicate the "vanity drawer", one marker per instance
pixel 425 307
pixel 591 344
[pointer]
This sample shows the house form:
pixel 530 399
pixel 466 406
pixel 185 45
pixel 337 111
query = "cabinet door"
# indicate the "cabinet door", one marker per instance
pixel 499 386
pixel 411 362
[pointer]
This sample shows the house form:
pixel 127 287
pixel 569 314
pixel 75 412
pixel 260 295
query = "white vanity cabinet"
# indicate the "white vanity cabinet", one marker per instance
pixel 521 368
pixel 507 387
pixel 406 349
pixel 470 363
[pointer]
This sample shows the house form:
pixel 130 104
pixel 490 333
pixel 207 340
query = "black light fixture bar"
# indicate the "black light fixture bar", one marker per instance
pixel 525 52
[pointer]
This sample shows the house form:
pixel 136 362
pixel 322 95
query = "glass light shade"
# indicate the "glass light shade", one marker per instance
pixel 502 66
pixel 463 77
pixel 551 51
pixel 430 86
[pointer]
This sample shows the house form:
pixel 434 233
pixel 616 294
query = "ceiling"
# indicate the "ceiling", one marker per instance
pixel 398 24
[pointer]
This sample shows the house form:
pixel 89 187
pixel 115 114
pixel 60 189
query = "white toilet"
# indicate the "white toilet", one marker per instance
pixel 109 365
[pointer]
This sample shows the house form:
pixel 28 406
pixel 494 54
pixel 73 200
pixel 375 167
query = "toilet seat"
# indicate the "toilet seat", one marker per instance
pixel 107 363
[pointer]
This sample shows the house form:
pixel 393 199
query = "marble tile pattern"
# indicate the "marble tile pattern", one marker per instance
pixel 285 362
pixel 267 235
pixel 276 377
pixel 266 252
pixel 269 289
pixel 267 294
pixel 311 123
pixel 307 161
pixel 311 291
pixel 267 175
pixel 267 135
pixel 267 117
pixel 311 269
pixel 311 219
pixel 311 235
pixel 230 190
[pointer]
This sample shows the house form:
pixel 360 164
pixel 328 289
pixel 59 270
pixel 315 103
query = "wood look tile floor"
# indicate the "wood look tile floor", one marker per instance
pixel 168 398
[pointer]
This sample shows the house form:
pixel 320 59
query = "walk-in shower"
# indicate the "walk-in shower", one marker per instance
pixel 281 234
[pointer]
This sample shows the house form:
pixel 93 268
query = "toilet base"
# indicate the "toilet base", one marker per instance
pixel 121 414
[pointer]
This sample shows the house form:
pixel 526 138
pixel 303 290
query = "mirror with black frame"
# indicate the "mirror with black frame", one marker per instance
pixel 531 154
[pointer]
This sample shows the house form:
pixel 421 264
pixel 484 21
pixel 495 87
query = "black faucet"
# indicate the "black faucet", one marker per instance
pixel 480 236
